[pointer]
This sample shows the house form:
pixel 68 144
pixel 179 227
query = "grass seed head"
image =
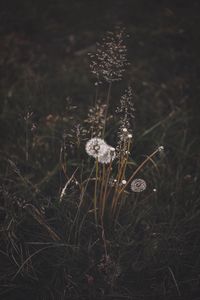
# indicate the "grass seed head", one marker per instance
pixel 110 59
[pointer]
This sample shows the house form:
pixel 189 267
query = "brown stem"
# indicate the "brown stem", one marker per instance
pixel 132 176
pixel 107 105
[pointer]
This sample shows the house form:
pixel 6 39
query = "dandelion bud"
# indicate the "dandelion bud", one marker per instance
pixel 112 181
pixel 160 148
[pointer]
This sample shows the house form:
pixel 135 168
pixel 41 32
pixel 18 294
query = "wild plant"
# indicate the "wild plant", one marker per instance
pixel 29 126
pixel 112 164
pixel 109 62
pixel 98 207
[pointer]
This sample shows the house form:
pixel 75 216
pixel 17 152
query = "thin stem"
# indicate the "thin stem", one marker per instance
pixel 27 142
pixel 82 193
pixel 133 175
pixel 102 184
pixel 104 239
pixel 95 190
pixel 123 159
pixel 126 159
pixel 105 190
pixel 139 168
pixel 107 106
pixel 121 170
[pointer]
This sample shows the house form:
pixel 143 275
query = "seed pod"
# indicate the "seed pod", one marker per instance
pixel 138 185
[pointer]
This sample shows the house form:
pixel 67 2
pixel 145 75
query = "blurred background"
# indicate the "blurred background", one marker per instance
pixel 44 49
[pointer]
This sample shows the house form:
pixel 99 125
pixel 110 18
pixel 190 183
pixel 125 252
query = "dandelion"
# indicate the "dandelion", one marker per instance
pixel 124 181
pixel 96 147
pixel 108 156
pixel 138 185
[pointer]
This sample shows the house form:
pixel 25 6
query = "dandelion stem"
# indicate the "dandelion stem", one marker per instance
pixel 105 189
pixel 95 190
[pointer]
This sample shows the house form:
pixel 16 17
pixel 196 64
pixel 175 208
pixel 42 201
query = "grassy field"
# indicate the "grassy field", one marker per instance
pixel 71 227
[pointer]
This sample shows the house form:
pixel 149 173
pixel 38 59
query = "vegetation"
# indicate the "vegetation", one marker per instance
pixel 99 155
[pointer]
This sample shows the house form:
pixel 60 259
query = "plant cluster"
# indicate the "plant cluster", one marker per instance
pixel 87 228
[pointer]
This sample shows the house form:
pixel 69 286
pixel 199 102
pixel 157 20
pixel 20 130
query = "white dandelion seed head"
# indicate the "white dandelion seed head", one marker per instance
pixel 108 156
pixel 124 181
pixel 138 185
pixel 130 135
pixel 96 147
pixel 154 190
pixel 124 129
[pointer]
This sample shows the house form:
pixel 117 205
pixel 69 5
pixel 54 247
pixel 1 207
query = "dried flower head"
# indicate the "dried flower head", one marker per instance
pixel 110 59
pixel 108 156
pixel 75 136
pixel 126 111
pixel 96 119
pixel 126 114
pixel 96 147
pixel 138 185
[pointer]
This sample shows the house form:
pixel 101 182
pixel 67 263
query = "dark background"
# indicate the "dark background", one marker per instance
pixel 43 60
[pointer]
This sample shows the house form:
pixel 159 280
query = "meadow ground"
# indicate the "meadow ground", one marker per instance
pixel 52 243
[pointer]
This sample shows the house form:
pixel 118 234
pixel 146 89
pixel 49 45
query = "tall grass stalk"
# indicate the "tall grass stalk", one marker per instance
pixel 96 190
pixel 107 107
